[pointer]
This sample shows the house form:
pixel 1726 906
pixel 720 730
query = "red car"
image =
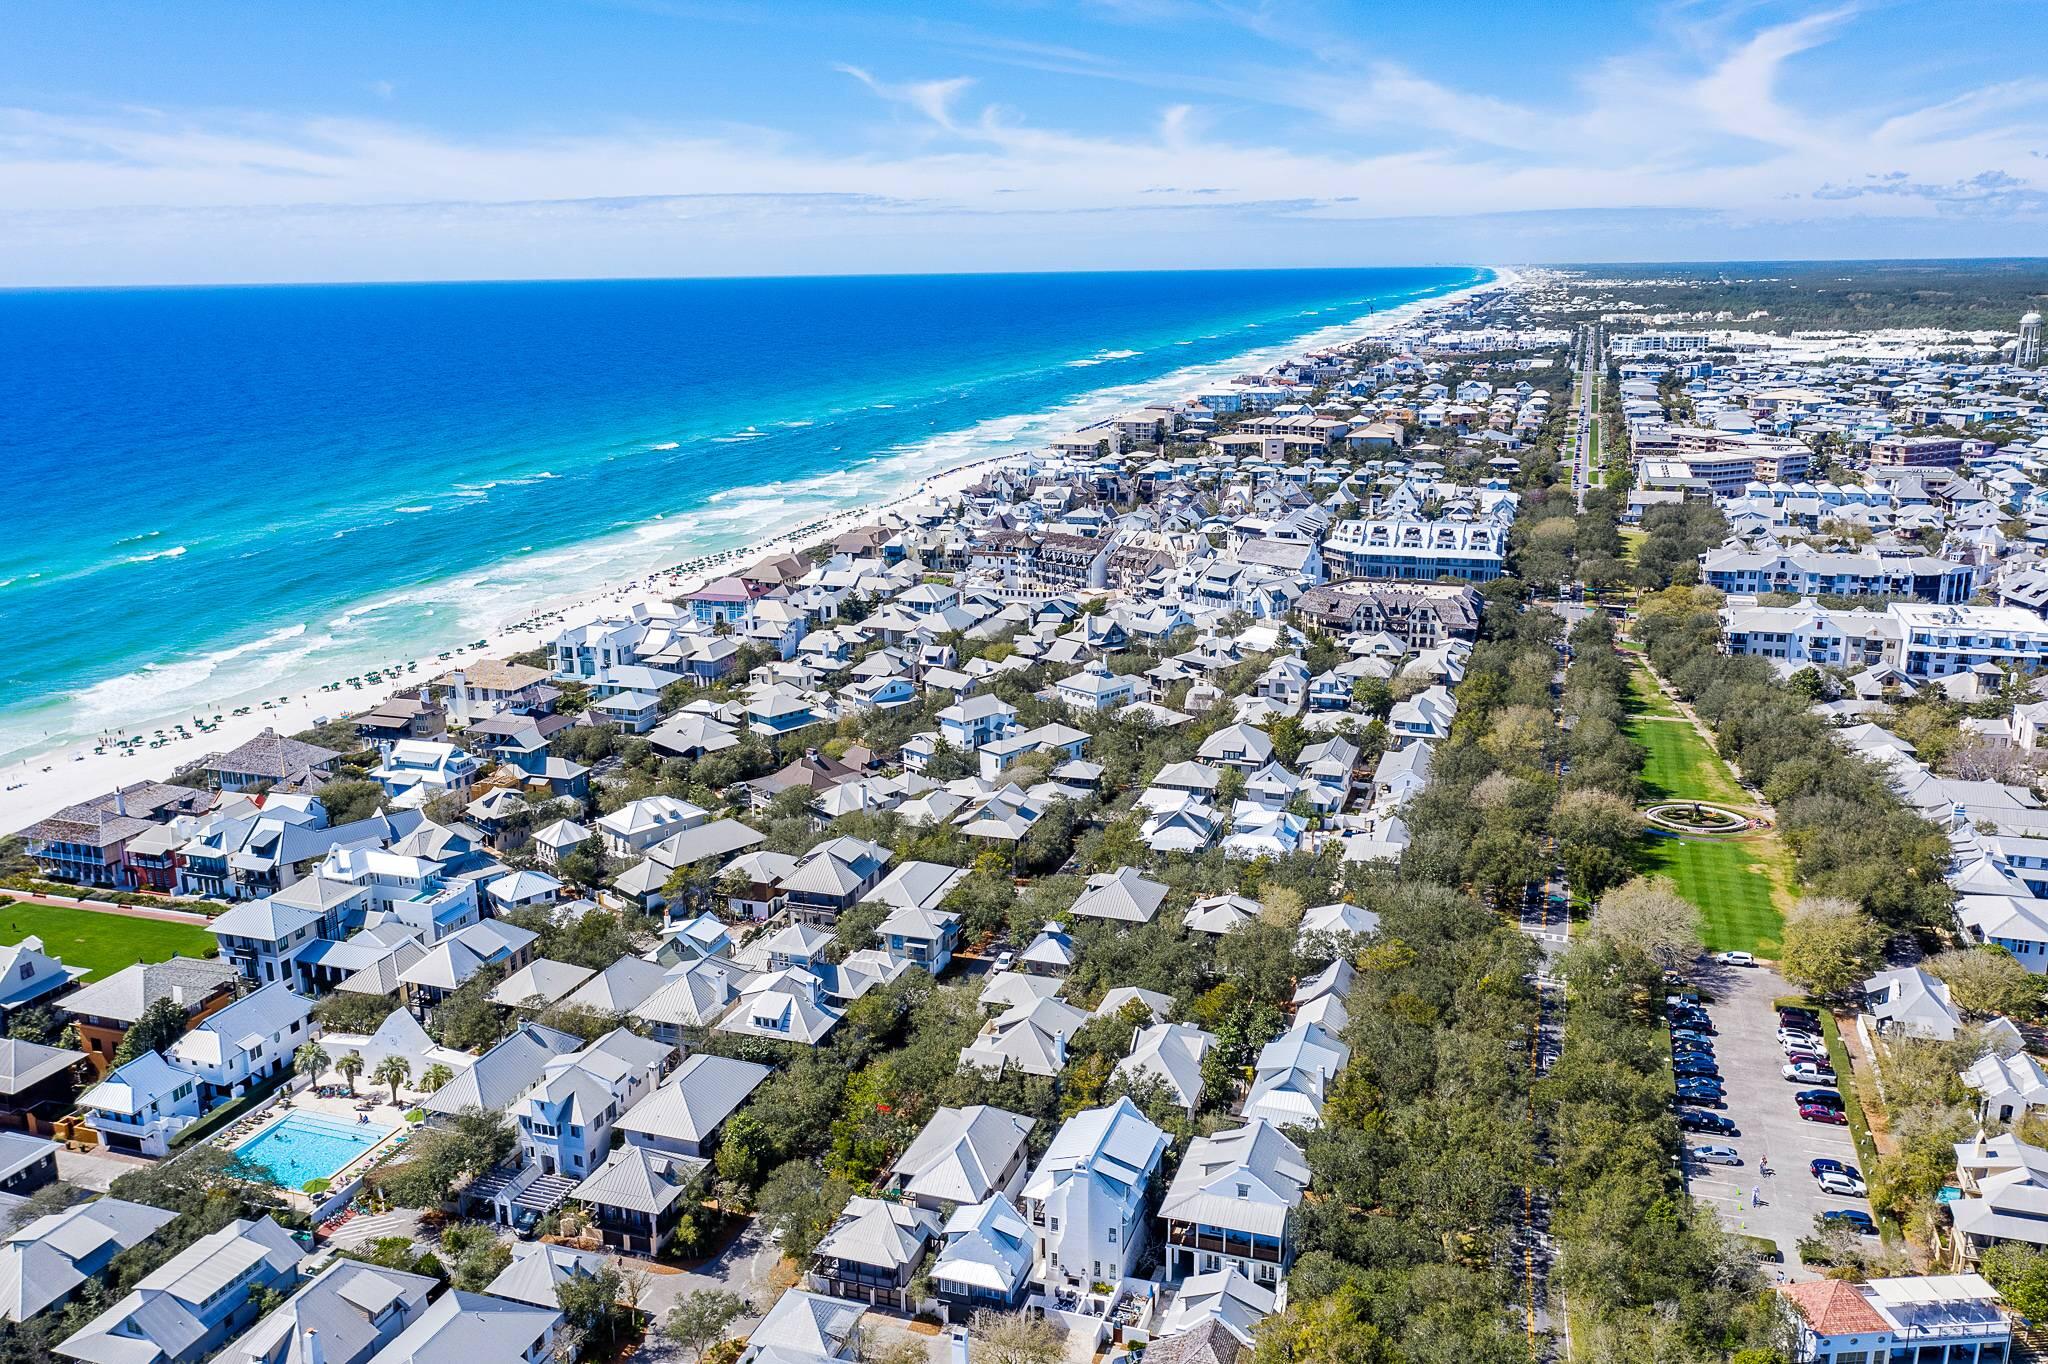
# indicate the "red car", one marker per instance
pixel 1822 1113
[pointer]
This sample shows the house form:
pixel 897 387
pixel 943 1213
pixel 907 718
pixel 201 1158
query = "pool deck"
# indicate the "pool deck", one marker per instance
pixel 378 1106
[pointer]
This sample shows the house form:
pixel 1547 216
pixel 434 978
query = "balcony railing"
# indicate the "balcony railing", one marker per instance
pixel 1183 1235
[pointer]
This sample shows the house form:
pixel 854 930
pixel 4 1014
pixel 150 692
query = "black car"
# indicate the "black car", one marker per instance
pixel 1799 1018
pixel 1853 1217
pixel 1826 1098
pixel 1691 1066
pixel 1710 1098
pixel 1690 1035
pixel 1692 1120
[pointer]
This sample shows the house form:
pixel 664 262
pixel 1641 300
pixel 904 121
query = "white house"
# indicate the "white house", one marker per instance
pixel 416 770
pixel 141 1105
pixel 249 1041
pixel 1086 1198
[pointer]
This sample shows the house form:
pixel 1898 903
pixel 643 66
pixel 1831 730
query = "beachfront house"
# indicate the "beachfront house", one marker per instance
pixel 269 760
pixel 417 770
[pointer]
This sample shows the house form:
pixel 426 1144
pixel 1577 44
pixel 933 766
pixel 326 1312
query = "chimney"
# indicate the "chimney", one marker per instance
pixel 120 802
pixel 315 1352
pixel 461 698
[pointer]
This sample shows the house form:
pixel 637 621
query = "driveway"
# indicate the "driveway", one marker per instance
pixel 1779 1207
pixel 744 1267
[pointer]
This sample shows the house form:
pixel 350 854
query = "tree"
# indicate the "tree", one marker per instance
pixel 350 1065
pixel 1014 1338
pixel 162 1023
pixel 310 1060
pixel 798 1203
pixel 440 1158
pixel 1987 980
pixel 2020 1274
pixel 700 1321
pixel 393 1071
pixel 1647 915
pixel 349 799
pixel 35 1024
pixel 350 1012
pixel 435 1076
pixel 1830 945
pixel 595 1306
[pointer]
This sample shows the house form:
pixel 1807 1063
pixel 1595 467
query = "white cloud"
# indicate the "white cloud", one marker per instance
pixel 1712 121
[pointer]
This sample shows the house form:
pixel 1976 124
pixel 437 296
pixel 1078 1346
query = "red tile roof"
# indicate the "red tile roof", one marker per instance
pixel 1834 1308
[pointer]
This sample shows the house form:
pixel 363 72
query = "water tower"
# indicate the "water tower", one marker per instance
pixel 2028 353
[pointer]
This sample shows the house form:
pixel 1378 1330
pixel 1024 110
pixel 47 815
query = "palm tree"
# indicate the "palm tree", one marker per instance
pixel 393 1071
pixel 350 1065
pixel 310 1061
pixel 435 1076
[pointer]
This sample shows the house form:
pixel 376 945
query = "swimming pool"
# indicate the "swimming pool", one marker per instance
pixel 301 1147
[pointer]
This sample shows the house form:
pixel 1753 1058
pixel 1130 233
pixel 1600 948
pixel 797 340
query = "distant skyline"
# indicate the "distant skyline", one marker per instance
pixel 242 143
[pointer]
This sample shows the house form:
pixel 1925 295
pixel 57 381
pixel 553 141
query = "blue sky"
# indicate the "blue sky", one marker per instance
pixel 151 143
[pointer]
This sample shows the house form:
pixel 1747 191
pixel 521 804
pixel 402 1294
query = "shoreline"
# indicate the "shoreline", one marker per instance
pixel 39 784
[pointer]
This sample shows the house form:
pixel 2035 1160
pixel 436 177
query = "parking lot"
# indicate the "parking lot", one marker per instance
pixel 1779 1207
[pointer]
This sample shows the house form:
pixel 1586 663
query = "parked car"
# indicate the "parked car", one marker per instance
pixel 1809 1074
pixel 1004 961
pixel 1691 1035
pixel 1854 1217
pixel 1834 1117
pixel 1827 1098
pixel 1692 1120
pixel 1800 1041
pixel 1841 1186
pixel 1799 1018
pixel 1712 1154
pixel 1691 1046
pixel 1823 1165
pixel 1695 1065
pixel 1808 1058
pixel 1708 1098
pixel 1736 959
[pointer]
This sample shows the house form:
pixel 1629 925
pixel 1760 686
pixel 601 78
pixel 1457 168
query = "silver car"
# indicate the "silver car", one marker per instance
pixel 1714 1154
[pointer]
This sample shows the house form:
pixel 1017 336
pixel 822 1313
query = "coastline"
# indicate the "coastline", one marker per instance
pixel 41 783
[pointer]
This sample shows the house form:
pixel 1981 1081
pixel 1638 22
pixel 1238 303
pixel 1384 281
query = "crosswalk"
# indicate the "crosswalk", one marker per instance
pixel 365 1228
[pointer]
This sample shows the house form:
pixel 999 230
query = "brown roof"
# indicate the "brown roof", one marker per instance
pixel 1208 1343
pixel 1834 1308
pixel 272 755
pixel 99 822
pixel 496 674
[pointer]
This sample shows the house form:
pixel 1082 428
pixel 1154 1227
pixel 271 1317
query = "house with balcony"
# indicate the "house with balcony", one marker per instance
pixel 984 1261
pixel 1086 1199
pixel 925 938
pixel 141 1105
pixel 269 760
pixel 196 1301
pixel 783 1006
pixel 871 1252
pixel 638 1196
pixel 87 843
pixel 453 960
pixel 264 939
pixel 417 770
pixel 833 877
pixel 1955 1318
pixel 638 825
pixel 245 1044
pixel 1231 1204
pixel 968 724
pixel 566 1119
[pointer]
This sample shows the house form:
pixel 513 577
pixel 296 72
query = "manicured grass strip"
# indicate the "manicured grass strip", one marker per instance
pixel 1644 697
pixel 1732 883
pixel 101 942
pixel 1678 764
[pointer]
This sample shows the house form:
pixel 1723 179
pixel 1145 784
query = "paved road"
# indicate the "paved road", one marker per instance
pixel 1760 1102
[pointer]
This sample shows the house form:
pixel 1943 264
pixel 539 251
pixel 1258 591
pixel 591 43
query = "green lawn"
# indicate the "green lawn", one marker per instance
pixel 1646 698
pixel 1678 764
pixel 103 943
pixel 1732 884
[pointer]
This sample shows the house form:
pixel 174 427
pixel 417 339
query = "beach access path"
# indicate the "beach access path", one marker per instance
pixel 169 916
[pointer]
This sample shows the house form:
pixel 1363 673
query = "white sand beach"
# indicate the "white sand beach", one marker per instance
pixel 41 785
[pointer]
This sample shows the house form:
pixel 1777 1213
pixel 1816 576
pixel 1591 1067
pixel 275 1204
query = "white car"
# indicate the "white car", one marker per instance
pixel 1812 1075
pixel 1004 962
pixel 1841 1185
pixel 1713 1154
pixel 1789 1040
pixel 1736 959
